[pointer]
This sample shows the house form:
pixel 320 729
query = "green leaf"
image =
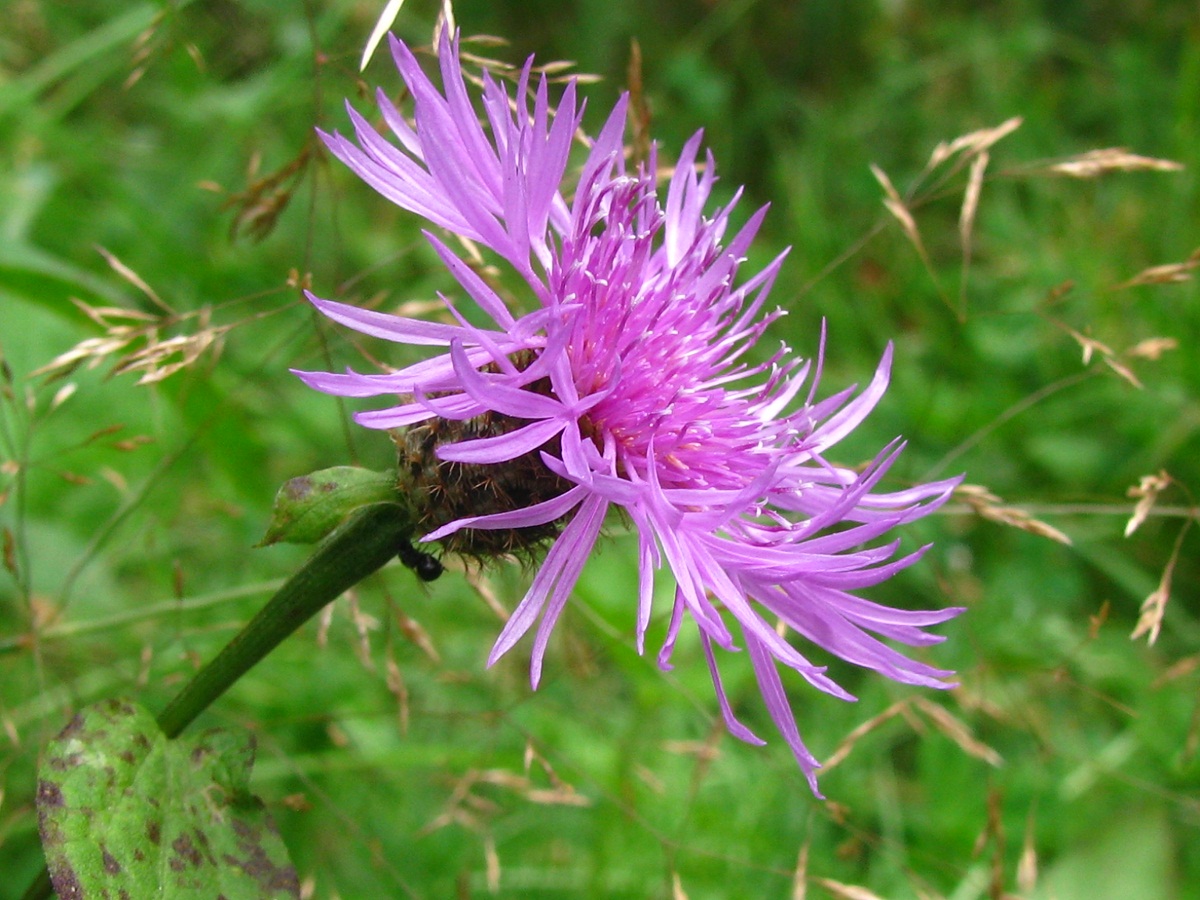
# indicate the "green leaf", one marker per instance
pixel 124 812
pixel 311 506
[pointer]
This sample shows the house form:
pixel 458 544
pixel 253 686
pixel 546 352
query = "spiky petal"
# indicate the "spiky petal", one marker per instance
pixel 636 391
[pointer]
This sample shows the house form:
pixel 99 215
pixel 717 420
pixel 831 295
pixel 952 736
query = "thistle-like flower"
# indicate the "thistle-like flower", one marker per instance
pixel 627 385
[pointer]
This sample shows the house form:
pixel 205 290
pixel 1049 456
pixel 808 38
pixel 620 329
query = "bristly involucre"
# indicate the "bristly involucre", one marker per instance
pixel 630 382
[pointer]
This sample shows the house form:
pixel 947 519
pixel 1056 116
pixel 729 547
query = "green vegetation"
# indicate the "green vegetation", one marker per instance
pixel 158 168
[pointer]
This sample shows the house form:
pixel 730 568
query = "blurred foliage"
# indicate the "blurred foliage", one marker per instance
pixel 178 138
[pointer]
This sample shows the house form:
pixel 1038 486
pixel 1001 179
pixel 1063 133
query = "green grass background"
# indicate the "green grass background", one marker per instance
pixel 129 557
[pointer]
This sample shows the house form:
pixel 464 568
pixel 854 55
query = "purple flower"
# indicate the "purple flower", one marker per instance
pixel 630 385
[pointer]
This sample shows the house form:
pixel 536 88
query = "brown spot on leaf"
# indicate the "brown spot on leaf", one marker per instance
pixel 257 864
pixel 153 830
pixel 187 851
pixel 203 846
pixel 298 488
pixel 73 727
pixel 49 794
pixel 123 708
pixel 111 865
pixel 62 763
pixel 269 876
pixel 66 882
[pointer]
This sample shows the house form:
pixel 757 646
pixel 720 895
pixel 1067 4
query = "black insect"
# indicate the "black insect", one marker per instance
pixel 426 566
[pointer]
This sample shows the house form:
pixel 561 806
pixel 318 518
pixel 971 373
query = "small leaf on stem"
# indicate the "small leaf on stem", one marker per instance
pixel 309 507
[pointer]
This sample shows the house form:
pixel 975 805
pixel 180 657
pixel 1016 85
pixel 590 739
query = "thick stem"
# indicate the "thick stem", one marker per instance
pixel 363 544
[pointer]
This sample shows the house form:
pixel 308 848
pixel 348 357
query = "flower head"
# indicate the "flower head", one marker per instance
pixel 629 385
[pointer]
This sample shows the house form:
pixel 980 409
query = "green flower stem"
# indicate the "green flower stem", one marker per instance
pixel 363 544
pixel 358 547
